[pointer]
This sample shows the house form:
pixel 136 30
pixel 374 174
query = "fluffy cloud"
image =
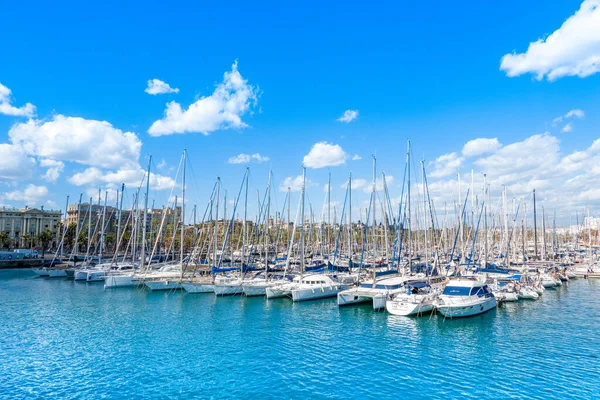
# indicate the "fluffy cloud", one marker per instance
pixel 133 177
pixel 572 50
pixel 14 163
pixel 54 169
pixel 156 86
pixel 356 184
pixel 567 128
pixel 356 157
pixel 348 116
pixel 367 185
pixel 294 184
pixel 223 109
pixel 247 158
pixel 323 155
pixel 577 113
pixel 31 195
pixel 88 142
pixel 6 108
pixel 446 164
pixel 477 147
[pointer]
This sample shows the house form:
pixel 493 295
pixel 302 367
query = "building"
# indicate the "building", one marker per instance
pixel 30 222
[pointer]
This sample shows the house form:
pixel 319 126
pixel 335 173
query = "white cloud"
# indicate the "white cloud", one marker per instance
pixel 28 110
pixel 156 86
pixel 572 50
pixel 247 158
pixel 356 184
pixel 576 113
pixel 567 128
pixel 295 184
pixel 54 169
pixel 162 164
pixel 223 109
pixel 31 195
pixel 356 157
pixel 477 147
pixel 131 177
pixel 14 163
pixel 446 164
pixel 88 142
pixel 323 154
pixel 348 116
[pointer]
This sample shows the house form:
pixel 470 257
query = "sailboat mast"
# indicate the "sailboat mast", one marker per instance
pixel 408 208
pixel 267 225
pixel 485 223
pixel 374 208
pixel 535 257
pixel 89 233
pixel 216 230
pixel 350 220
pixel 302 221
pixel 119 217
pixel 145 223
pixel 425 217
pixel 182 210
pixel 103 225
pixel 328 249
pixel 245 221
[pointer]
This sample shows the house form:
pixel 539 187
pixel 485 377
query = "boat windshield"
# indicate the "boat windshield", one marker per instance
pixel 456 291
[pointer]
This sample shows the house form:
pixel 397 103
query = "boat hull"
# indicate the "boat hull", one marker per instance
pixel 408 308
pixel 194 288
pixel 255 290
pixel 42 273
pixel 95 276
pixel 157 286
pixel 57 273
pixel 314 293
pixel 80 275
pixel 466 310
pixel 228 290
pixel 114 281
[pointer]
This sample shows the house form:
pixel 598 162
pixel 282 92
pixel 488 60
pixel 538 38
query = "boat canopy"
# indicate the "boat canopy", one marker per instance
pixel 418 285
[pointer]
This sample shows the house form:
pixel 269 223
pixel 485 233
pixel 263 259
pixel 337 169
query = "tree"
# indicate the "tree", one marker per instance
pixel 4 239
pixel 26 238
pixel 45 238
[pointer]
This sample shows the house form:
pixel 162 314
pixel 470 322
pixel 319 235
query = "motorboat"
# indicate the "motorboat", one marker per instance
pixel 465 297
pixel 417 299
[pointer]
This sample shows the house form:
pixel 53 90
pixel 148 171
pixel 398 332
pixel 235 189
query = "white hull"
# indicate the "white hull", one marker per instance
pixel 379 301
pixel 161 285
pixel 80 275
pixel 277 292
pixel 95 276
pixel 549 283
pixel 255 290
pixel 57 273
pixel 416 305
pixel 41 272
pixel 467 309
pixel 228 290
pixel 113 281
pixel 316 292
pixel 352 296
pixel 528 294
pixel 194 288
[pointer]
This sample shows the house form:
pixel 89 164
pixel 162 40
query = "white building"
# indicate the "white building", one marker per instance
pixel 31 221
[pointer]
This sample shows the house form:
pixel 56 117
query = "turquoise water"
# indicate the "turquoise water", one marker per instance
pixel 65 339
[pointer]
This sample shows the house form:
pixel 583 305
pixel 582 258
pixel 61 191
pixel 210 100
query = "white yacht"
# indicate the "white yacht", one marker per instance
pixel 416 299
pixel 317 286
pixel 465 297
pixel 369 292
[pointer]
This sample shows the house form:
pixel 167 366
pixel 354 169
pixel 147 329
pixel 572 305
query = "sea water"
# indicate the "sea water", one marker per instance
pixel 66 339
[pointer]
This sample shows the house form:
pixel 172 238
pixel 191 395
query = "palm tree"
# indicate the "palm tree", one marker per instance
pixel 45 238
pixel 26 238
pixel 3 238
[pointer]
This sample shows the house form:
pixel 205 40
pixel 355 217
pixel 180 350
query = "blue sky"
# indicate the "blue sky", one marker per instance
pixel 429 72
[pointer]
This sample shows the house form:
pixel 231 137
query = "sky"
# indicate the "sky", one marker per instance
pixel 88 91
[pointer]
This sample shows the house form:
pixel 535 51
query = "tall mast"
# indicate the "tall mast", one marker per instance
pixel 535 257
pixel 145 223
pixel 543 233
pixel 102 239
pixel 119 217
pixel 267 225
pixel 218 194
pixel 89 233
pixel 182 211
pixel 302 223
pixel 374 208
pixel 65 227
pixel 408 209
pixel 485 203
pixel 350 220
pixel 328 215
pixel 289 199
pixel 425 218
pixel 245 221
pixel 76 248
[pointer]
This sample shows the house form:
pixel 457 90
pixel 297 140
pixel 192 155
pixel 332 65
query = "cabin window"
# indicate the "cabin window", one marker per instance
pixel 477 291
pixel 456 291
